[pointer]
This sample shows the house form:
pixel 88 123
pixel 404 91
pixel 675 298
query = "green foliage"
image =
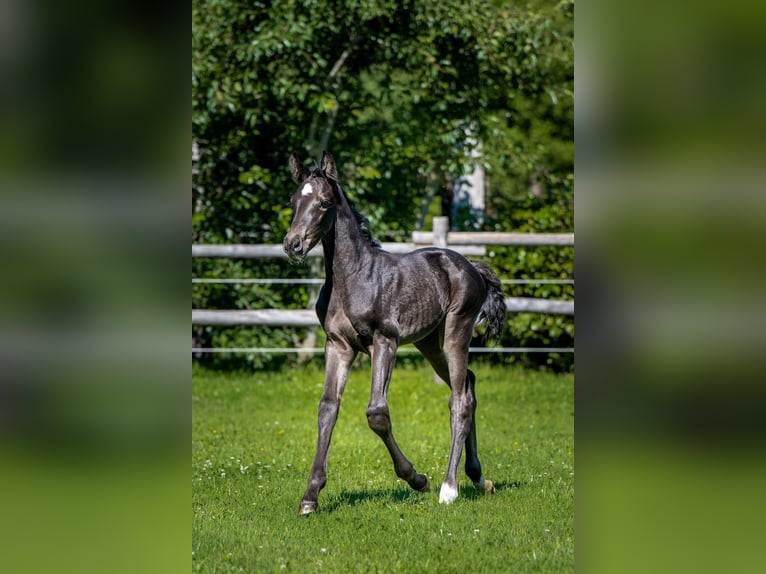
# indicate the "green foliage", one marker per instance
pixel 247 296
pixel 551 214
pixel 253 440
pixel 401 93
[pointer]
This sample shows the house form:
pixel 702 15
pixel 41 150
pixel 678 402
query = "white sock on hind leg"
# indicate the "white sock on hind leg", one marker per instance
pixel 447 494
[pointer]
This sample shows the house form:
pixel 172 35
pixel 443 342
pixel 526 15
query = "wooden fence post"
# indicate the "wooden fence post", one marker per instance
pixel 441 227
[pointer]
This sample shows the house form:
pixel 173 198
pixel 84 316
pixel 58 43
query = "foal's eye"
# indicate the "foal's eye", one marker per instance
pixel 325 204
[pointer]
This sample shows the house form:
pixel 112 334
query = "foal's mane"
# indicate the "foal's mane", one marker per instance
pixel 364 223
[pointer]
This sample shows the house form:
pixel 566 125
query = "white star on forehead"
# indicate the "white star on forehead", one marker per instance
pixel 307 190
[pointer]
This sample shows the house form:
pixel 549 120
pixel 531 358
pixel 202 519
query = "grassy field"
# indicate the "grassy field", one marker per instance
pixel 253 442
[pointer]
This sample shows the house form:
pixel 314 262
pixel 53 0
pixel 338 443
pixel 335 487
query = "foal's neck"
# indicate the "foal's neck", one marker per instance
pixel 346 249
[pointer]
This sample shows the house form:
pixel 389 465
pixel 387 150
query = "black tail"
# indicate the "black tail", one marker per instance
pixel 494 309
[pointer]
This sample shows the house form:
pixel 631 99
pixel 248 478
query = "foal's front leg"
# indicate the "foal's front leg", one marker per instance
pixel 338 359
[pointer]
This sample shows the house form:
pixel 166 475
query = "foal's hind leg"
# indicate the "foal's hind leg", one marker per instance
pixel 378 417
pixel 472 464
pixel 462 408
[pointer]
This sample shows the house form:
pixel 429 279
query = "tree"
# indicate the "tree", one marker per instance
pixel 399 92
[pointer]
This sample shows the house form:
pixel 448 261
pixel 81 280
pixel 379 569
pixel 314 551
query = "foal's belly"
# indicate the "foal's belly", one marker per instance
pixel 408 325
pixel 413 326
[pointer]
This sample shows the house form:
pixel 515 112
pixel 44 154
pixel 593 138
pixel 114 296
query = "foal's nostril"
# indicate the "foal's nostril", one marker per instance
pixel 297 245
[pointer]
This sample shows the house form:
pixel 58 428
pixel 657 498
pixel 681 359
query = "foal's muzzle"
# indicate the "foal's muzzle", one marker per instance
pixel 295 248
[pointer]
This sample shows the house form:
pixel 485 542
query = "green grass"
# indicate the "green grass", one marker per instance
pixel 253 442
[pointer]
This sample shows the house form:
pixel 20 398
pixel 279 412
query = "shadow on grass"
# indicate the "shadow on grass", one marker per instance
pixel 469 492
pixel 357 497
pixel 404 494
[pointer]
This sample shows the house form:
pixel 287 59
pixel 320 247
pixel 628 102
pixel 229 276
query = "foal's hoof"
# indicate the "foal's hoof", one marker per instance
pixel 485 486
pixel 307 507
pixel 420 483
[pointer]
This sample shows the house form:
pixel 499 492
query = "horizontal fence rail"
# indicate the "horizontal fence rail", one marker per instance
pixel 308 318
pixel 316 281
pixel 407 350
pixel 496 238
pixel 262 317
pixel 267 250
pixel 471 244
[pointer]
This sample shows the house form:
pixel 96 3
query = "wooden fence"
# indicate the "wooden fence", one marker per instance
pixel 468 243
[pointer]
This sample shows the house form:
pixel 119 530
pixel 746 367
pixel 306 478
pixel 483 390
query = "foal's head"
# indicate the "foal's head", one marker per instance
pixel 314 204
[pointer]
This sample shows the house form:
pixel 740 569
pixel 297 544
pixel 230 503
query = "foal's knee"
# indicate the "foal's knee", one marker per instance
pixel 379 419
pixel 328 410
pixel 463 404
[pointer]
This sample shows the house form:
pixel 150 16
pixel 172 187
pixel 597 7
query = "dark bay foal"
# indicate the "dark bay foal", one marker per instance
pixel 372 302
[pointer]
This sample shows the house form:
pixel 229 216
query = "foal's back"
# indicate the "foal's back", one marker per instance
pixel 408 296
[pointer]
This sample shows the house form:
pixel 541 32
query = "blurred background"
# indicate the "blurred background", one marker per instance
pixel 94 384
pixel 94 180
pixel 670 223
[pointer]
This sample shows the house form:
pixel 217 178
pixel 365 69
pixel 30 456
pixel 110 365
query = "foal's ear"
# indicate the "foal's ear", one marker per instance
pixel 328 167
pixel 299 171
